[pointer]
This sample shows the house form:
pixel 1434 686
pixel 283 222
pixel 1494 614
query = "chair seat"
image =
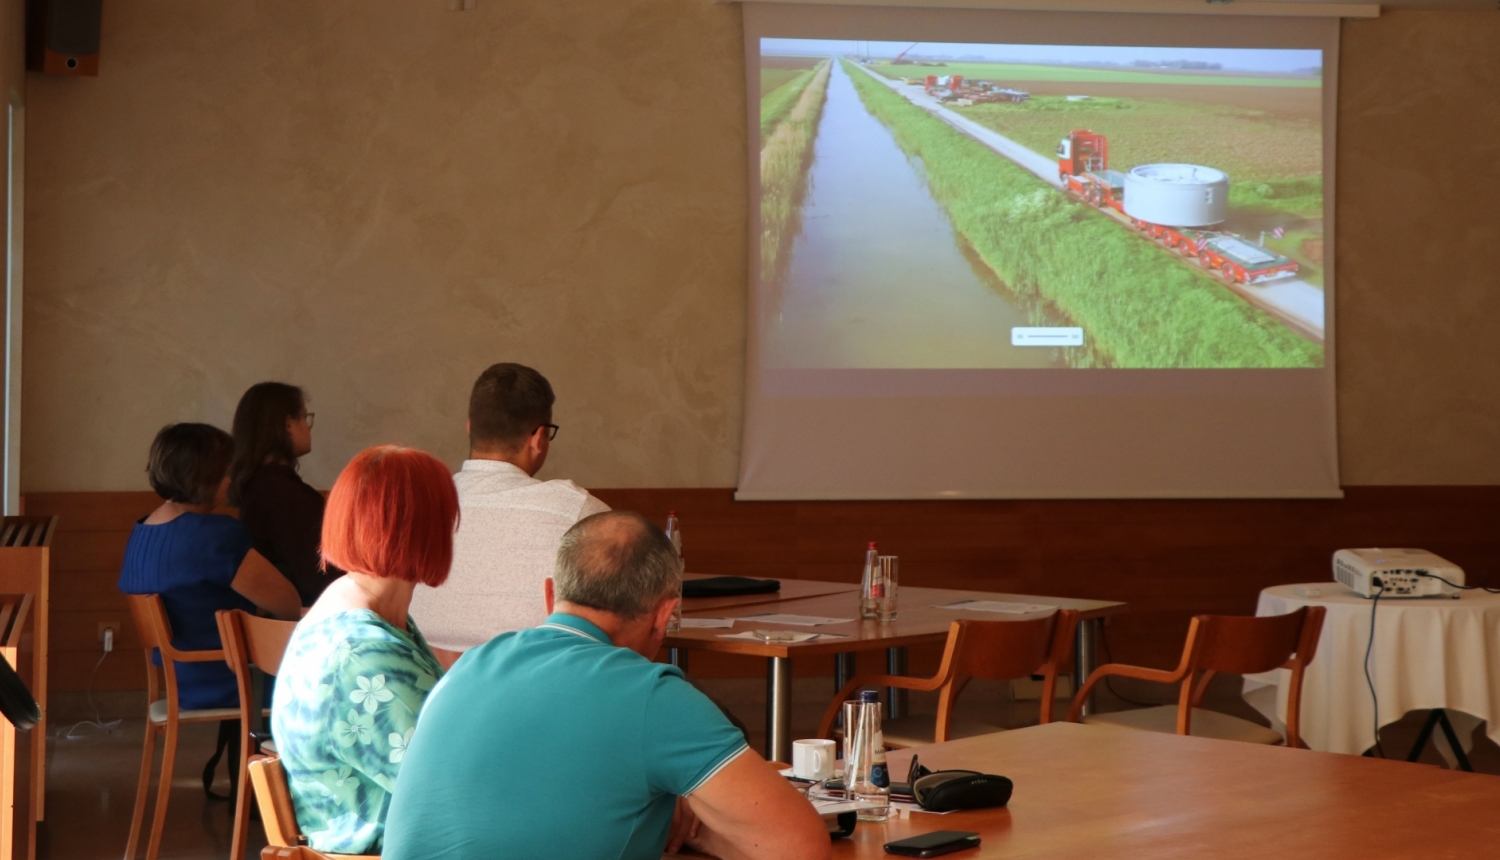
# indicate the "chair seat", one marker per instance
pixel 1205 724
pixel 158 713
pixel 920 729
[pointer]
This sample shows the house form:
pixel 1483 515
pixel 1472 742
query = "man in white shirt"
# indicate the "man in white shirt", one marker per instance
pixel 510 524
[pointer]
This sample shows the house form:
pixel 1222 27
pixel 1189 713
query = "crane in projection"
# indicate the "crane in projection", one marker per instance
pixel 901 57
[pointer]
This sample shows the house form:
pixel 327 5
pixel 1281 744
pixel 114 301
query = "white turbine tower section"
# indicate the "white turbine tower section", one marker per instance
pixel 1177 195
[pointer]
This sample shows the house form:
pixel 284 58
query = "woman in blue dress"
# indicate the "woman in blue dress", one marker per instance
pixel 198 561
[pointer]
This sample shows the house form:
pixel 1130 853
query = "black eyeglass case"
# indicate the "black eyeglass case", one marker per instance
pixel 945 790
pixel 728 586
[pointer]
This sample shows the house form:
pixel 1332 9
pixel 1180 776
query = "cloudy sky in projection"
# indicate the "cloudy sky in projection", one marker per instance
pixel 1243 59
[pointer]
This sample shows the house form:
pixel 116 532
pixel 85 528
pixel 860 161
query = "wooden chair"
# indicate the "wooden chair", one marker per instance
pixel 249 641
pixel 164 715
pixel 1220 643
pixel 280 816
pixel 995 650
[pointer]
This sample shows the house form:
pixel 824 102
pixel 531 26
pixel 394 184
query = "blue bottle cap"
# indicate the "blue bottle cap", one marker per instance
pixel 869 696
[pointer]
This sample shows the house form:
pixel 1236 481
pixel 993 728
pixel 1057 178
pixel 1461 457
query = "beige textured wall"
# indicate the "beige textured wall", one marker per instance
pixel 376 198
pixel 1418 249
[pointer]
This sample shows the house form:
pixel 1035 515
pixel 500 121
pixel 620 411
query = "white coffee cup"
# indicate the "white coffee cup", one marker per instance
pixel 813 759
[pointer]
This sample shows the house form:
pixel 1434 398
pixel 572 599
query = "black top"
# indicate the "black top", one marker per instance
pixel 285 519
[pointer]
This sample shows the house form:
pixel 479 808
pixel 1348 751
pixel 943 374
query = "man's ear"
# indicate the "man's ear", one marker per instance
pixel 548 594
pixel 664 615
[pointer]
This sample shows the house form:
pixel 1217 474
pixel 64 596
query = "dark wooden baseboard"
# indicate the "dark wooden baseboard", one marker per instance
pixel 1169 559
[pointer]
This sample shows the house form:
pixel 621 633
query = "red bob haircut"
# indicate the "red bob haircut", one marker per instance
pixel 392 513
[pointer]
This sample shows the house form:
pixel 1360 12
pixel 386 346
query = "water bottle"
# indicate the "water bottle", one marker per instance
pixel 867 607
pixel 868 779
pixel 674 532
pixel 886 578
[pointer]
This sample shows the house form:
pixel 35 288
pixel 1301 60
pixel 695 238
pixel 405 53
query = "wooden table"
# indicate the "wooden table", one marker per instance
pixel 918 622
pixel 1100 792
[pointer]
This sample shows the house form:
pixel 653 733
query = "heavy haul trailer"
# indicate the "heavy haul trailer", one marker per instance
pixel 956 88
pixel 1198 196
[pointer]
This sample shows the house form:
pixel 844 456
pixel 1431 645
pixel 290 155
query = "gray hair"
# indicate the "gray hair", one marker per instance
pixel 618 562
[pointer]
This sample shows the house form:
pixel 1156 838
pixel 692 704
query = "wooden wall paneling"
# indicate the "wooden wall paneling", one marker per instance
pixel 92 529
pixel 1170 559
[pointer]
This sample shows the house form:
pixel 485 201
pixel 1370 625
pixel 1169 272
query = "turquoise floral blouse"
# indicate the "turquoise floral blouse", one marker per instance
pixel 345 706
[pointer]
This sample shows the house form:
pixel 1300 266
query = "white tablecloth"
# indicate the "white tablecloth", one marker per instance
pixel 1432 652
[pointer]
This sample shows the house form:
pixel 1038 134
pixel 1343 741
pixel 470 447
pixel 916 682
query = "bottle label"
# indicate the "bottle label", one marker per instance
pixel 879 775
pixel 877 590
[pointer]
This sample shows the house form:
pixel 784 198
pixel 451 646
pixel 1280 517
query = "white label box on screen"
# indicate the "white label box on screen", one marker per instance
pixel 1027 254
pixel 1053 336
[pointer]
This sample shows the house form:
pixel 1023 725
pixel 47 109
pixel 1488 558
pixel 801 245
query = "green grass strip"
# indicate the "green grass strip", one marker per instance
pixel 784 159
pixel 776 104
pixel 1139 307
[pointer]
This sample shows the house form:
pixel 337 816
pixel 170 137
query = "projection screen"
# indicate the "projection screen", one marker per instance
pixel 1003 254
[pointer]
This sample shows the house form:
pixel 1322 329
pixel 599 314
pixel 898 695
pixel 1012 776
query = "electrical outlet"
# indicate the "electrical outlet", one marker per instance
pixel 109 625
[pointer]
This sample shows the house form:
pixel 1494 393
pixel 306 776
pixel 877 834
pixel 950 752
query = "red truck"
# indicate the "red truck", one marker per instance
pixel 1083 168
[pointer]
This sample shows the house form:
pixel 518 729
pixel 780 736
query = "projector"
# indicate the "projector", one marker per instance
pixel 1396 573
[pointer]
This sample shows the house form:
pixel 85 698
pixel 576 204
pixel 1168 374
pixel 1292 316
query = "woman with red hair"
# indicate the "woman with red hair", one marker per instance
pixel 357 669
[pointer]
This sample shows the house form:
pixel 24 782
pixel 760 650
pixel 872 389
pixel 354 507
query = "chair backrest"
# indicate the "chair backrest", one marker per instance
pixel 261 641
pixel 150 619
pixel 1005 650
pixel 155 630
pixel 275 801
pixel 1246 645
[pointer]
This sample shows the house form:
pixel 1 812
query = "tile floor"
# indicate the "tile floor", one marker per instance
pixel 92 776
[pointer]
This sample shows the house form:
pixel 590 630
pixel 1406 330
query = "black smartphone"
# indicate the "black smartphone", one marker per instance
pixel 933 844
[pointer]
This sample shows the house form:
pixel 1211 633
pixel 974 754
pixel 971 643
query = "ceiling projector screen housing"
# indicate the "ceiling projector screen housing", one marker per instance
pixel 1086 259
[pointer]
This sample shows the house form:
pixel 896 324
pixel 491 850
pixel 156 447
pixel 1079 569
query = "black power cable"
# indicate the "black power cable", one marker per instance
pixel 1369 646
pixel 1456 585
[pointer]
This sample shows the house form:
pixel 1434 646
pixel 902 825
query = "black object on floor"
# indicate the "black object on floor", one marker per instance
pixel 16 702
pixel 1439 717
pixel 728 586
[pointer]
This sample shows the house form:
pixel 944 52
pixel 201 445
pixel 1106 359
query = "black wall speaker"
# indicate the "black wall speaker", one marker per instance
pixel 62 36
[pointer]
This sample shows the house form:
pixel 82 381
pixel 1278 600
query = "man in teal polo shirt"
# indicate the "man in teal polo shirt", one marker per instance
pixel 565 740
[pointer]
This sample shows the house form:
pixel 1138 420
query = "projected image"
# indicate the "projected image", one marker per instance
pixel 1027 206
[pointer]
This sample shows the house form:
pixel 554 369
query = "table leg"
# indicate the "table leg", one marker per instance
pixel 1085 658
pixel 779 709
pixel 678 657
pixel 895 663
pixel 843 670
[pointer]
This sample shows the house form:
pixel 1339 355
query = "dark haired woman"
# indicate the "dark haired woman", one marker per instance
pixel 272 430
pixel 199 561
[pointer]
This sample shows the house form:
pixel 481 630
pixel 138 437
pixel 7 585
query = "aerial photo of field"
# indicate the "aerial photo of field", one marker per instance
pixel 917 205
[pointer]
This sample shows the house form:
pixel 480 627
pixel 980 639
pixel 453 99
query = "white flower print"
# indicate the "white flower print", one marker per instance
pixel 371 692
pixel 360 727
pixel 399 743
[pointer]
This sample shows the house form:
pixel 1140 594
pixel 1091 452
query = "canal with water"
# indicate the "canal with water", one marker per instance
pixel 878 277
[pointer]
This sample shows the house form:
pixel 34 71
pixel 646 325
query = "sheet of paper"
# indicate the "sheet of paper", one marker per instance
pixel 706 623
pixel 796 620
pixel 781 636
pixel 906 809
pixel 996 606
